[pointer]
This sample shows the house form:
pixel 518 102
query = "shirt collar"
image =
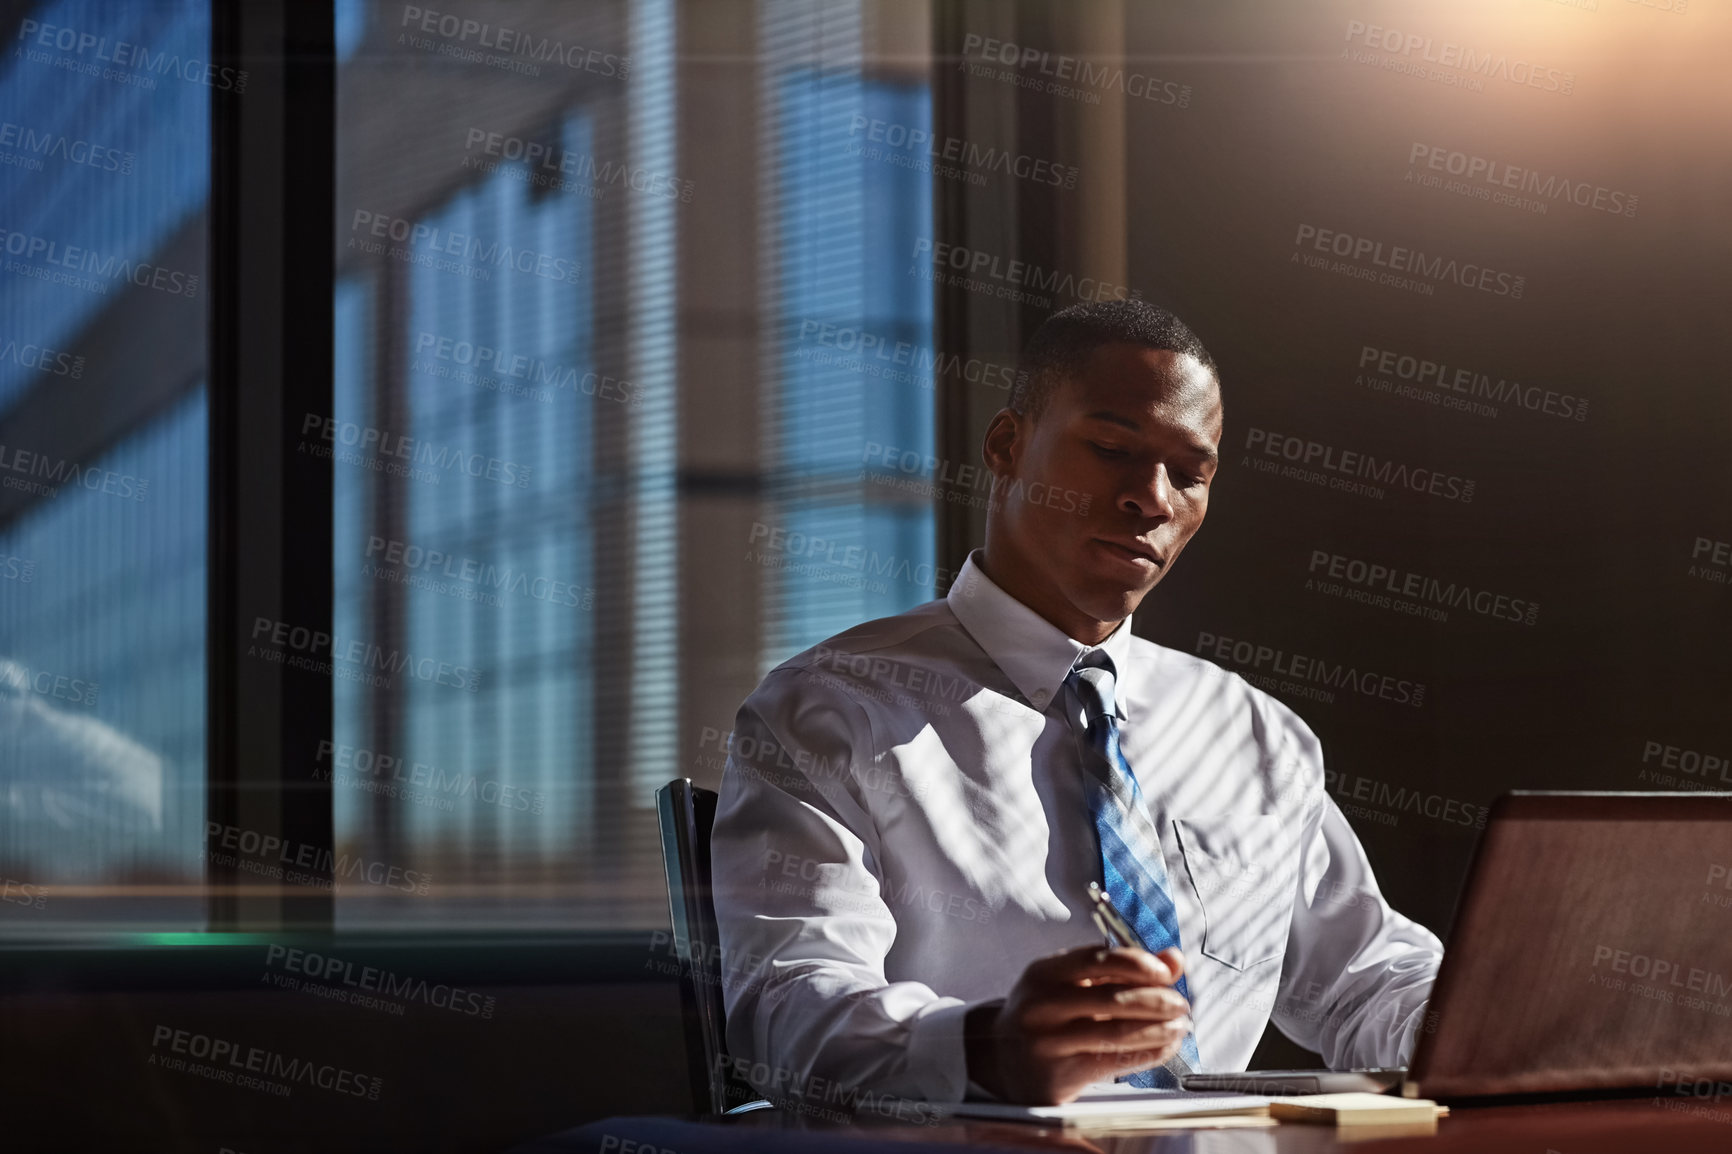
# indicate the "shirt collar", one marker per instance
pixel 1034 653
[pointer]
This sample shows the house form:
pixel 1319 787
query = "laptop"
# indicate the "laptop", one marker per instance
pixel 1592 950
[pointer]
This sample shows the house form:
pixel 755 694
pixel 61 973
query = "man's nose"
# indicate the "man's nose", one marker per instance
pixel 1150 497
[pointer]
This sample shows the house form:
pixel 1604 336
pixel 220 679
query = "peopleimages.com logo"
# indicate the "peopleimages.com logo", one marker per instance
pixel 1416 269
pixel 1403 591
pixel 498 44
pixel 1427 377
pixel 798 551
pixel 234 1063
pixel 889 357
pixel 1711 561
pixel 981 271
pixel 935 478
pixel 32 145
pixel 1413 52
pixel 425 244
pixel 385 451
pixel 128 63
pixel 366 979
pixel 914 146
pixel 301 863
pixel 42 359
pixel 299 647
pixel 44 476
pixel 55 262
pixel 1306 671
pixel 15 892
pixel 475 364
pixel 553 162
pixel 1482 178
pixel 480 575
pixel 1349 469
pixel 1069 77
pixel 16 679
pixel 392 775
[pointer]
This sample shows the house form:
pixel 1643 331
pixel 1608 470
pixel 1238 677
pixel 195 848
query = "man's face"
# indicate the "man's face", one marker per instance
pixel 1136 431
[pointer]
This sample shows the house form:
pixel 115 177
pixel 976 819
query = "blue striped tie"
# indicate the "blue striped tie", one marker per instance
pixel 1132 872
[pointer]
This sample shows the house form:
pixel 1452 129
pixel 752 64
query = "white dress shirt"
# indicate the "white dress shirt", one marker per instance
pixel 903 828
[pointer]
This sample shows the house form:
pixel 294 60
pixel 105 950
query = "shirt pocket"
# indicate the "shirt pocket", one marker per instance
pixel 1242 870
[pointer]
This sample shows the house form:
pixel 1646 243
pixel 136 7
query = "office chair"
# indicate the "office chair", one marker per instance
pixel 687 815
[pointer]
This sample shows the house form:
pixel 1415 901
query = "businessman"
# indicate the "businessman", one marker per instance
pixel 912 812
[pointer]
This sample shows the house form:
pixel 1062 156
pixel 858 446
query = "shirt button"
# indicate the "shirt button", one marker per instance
pixel 1040 696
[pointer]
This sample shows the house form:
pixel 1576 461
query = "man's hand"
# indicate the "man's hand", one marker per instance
pixel 1082 1016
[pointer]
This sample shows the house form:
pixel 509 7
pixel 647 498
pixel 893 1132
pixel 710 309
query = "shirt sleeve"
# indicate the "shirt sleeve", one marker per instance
pixel 1357 975
pixel 803 929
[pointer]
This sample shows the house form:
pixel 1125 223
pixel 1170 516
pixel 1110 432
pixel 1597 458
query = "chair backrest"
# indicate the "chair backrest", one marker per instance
pixel 687 816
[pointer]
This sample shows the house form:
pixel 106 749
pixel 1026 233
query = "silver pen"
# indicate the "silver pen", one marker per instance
pixel 1121 934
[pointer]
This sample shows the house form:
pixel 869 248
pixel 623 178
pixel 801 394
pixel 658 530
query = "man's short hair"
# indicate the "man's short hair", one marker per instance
pixel 1065 340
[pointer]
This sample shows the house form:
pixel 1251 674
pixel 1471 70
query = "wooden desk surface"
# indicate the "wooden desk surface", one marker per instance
pixel 1641 1125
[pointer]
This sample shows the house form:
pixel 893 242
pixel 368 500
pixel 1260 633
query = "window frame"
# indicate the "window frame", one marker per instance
pixel 272 272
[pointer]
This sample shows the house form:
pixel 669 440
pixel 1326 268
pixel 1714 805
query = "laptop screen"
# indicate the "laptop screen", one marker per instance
pixel 1592 950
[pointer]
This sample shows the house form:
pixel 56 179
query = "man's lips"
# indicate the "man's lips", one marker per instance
pixel 1131 549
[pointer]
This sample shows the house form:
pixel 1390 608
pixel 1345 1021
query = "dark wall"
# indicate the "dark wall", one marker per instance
pixel 1598 451
pixel 1462 264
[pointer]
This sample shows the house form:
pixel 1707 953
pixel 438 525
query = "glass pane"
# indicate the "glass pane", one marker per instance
pixel 623 446
pixel 104 139
pixel 844 547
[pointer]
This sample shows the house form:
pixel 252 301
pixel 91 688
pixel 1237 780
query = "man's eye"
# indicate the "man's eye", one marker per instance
pixel 1107 450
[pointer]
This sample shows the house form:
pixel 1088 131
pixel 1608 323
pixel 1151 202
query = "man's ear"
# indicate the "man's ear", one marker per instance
pixel 1001 448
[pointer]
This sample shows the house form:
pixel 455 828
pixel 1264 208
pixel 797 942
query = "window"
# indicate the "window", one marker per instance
pixel 511 303
pixel 460 741
pixel 103 180
pixel 528 528
pixel 851 547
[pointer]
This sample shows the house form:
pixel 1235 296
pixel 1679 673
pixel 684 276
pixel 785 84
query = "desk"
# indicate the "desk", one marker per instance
pixel 1642 1125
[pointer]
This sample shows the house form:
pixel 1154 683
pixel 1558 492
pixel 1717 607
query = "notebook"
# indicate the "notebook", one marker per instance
pixel 1120 1106
pixel 1354 1109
